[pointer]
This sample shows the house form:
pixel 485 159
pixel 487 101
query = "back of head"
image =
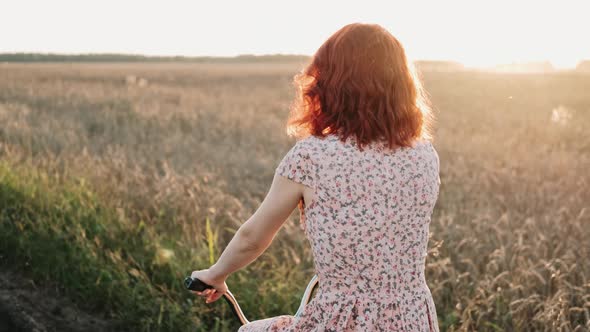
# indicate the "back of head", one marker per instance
pixel 359 83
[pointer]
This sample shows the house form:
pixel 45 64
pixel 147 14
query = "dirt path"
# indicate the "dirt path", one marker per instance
pixel 24 307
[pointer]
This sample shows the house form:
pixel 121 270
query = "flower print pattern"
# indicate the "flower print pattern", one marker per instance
pixel 368 227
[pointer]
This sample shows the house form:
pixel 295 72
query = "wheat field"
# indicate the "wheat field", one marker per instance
pixel 118 179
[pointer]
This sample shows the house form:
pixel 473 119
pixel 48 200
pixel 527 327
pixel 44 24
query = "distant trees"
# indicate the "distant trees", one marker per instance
pixel 583 65
pixel 433 65
pixel 423 65
pixel 108 57
pixel 526 67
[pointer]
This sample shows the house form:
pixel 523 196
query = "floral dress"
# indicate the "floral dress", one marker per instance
pixel 368 228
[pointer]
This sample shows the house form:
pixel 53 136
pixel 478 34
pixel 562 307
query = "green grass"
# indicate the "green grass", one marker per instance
pixel 60 233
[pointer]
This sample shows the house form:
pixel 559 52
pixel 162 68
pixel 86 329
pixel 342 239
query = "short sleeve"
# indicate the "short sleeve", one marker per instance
pixel 297 165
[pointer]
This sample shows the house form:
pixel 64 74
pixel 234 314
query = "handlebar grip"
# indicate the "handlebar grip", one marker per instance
pixel 195 284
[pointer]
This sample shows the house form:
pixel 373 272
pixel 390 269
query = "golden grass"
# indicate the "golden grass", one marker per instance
pixel 171 146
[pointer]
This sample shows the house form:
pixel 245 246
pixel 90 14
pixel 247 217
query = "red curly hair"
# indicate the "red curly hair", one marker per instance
pixel 360 83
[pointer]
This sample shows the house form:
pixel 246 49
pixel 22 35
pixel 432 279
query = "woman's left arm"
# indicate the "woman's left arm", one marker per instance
pixel 253 237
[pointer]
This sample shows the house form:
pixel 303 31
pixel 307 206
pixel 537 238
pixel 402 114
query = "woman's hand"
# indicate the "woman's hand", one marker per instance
pixel 218 284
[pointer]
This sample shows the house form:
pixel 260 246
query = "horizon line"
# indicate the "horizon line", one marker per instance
pixel 140 56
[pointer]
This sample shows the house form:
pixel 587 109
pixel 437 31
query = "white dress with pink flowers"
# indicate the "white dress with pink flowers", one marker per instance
pixel 368 228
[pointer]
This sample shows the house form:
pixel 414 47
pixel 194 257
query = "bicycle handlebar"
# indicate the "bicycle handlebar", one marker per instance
pixel 194 284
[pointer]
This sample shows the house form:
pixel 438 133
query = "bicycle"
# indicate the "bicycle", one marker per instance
pixel 194 284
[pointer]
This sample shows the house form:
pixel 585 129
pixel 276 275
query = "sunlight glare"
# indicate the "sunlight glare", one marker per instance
pixel 477 34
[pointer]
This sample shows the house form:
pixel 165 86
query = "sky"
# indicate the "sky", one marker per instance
pixel 475 33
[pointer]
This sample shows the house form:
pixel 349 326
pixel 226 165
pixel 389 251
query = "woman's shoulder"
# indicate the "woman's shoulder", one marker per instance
pixel 421 144
pixel 427 147
pixel 305 147
pixel 422 141
pixel 314 143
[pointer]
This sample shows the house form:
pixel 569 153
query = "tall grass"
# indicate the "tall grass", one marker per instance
pixel 162 173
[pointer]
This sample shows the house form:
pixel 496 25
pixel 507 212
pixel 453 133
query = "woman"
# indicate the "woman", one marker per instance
pixel 366 178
